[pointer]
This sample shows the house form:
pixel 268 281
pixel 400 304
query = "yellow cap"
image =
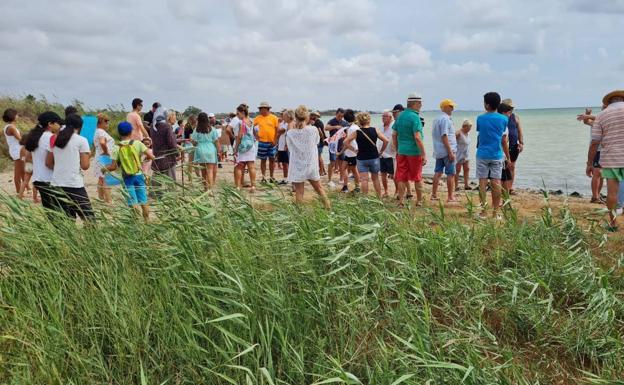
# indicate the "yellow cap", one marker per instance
pixel 447 103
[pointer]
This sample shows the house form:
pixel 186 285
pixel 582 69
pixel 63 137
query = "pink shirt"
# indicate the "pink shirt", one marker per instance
pixel 137 124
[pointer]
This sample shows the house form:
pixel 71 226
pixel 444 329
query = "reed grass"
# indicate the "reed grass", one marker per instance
pixel 218 291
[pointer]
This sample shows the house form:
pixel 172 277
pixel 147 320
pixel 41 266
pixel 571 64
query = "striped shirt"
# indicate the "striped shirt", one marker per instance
pixel 608 130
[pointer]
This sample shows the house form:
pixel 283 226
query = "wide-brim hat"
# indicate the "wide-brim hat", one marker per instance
pixel 315 113
pixel 264 105
pixel 508 102
pixel 414 97
pixel 613 94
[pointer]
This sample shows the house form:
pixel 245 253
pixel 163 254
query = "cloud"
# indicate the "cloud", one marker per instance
pixel 511 43
pixel 603 6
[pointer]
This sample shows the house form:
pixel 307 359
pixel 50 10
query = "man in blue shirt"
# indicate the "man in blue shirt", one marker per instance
pixel 444 150
pixel 492 151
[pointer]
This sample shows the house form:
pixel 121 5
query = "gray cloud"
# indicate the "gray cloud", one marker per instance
pixel 603 6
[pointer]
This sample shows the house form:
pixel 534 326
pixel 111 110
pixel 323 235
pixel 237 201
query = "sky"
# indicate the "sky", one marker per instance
pixel 363 54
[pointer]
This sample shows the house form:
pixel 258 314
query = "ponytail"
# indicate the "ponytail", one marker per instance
pixel 45 119
pixel 73 122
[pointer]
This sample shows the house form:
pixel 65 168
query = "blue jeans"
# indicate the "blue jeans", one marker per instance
pixel 369 165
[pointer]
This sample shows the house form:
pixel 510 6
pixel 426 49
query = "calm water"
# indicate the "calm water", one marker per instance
pixel 555 149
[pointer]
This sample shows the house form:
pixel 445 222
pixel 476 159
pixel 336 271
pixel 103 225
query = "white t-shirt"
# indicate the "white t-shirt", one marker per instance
pixel 281 142
pixel 41 173
pixel 235 123
pixel 390 150
pixel 348 153
pixel 67 172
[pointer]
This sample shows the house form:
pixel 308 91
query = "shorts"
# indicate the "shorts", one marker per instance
pixel 409 168
pixel 505 174
pixel 282 157
pixel 445 165
pixel 332 156
pixel 351 160
pixel 320 150
pixel 137 189
pixel 613 173
pixel 387 166
pixel 597 160
pixel 514 152
pixel 368 165
pixel 488 167
pixel 266 150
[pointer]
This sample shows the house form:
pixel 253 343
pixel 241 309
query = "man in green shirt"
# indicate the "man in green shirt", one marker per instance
pixel 407 137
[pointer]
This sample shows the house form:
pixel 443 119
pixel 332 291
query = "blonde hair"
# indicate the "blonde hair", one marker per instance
pixel 363 119
pixel 101 117
pixel 171 114
pixel 467 122
pixel 301 115
pixel 289 113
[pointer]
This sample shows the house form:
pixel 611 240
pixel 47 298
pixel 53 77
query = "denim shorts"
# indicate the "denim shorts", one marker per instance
pixel 489 168
pixel 137 189
pixel 369 165
pixel 332 156
pixel 445 165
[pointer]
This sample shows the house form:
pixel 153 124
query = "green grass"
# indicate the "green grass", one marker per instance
pixel 219 292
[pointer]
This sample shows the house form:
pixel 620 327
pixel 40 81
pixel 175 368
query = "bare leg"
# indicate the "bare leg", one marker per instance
pixel 466 174
pixel 204 174
pixel 285 170
pixel 496 194
pixel 238 175
pixel 483 192
pixel 321 164
pixel 401 192
pixel 263 168
pixel 251 166
pixel 299 187
pixel 436 182
pixel 272 168
pixel 596 184
pixel 24 185
pixel 330 171
pixel 356 175
pixel 376 184
pixel 384 182
pixel 512 168
pixel 613 187
pixel 18 174
pixel 321 192
pixel 344 175
pixel 450 188
pixel 211 169
pixel 418 186
pixel 364 182
pixel 145 211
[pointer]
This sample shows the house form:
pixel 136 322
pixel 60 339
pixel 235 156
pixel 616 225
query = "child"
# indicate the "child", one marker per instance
pixel 13 137
pixel 463 145
pixel 127 155
pixel 103 144
pixel 26 157
pixel 206 140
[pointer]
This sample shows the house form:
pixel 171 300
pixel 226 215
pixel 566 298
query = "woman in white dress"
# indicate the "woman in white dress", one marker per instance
pixel 103 144
pixel 302 142
pixel 13 137
pixel 243 130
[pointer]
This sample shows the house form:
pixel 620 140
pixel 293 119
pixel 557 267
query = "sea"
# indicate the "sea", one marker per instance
pixel 555 148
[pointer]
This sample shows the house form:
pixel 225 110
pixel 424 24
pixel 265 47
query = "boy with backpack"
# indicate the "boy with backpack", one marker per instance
pixel 127 156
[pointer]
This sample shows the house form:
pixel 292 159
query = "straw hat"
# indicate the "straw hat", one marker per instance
pixel 315 113
pixel 613 94
pixel 414 97
pixel 264 105
pixel 508 102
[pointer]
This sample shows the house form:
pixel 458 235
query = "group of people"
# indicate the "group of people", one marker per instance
pixel 53 154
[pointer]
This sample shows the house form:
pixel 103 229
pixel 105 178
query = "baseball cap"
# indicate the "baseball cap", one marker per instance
pixel 414 97
pixel 398 107
pixel 124 128
pixel 447 103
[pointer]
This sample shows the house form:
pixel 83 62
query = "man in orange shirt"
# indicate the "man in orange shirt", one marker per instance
pixel 134 117
pixel 267 125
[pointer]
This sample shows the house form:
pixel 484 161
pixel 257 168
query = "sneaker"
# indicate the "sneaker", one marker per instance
pixel 467 188
pixel 220 165
pixel 434 198
pixel 331 185
pixel 356 190
pixel 272 180
pixel 283 182
pixel 345 189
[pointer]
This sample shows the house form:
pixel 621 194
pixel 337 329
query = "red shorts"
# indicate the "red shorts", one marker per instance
pixel 409 168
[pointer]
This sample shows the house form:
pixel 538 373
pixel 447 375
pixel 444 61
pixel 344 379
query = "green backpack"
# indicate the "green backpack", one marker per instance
pixel 129 159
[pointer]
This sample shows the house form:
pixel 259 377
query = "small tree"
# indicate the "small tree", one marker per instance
pixel 191 110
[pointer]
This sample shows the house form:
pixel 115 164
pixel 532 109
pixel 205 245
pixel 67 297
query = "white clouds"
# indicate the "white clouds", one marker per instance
pixel 511 42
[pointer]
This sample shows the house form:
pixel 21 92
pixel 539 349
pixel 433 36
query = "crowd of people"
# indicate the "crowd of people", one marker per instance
pixel 53 155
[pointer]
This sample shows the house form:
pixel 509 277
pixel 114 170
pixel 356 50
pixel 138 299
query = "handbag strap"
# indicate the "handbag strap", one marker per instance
pixel 368 137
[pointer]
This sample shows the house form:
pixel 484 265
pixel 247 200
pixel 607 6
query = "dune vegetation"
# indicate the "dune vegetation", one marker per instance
pixel 219 291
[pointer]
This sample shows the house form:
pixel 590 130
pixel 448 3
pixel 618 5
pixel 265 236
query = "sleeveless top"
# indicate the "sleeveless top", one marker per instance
pixel 13 143
pixel 512 126
pixel 367 149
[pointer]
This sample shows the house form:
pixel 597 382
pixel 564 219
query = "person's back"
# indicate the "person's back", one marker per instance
pixel 366 138
pixel 67 171
pixel 443 126
pixel 491 127
pixel 406 125
pixel 609 129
